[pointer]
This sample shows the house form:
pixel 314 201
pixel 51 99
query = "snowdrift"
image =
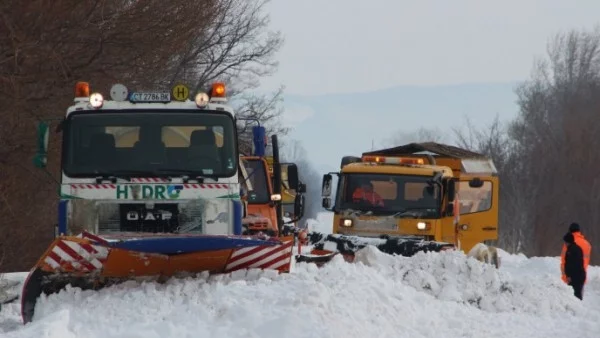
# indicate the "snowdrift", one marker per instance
pixel 451 276
pixel 428 295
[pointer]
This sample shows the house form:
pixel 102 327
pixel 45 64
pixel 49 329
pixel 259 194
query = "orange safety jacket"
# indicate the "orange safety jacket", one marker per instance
pixel 372 196
pixel 585 247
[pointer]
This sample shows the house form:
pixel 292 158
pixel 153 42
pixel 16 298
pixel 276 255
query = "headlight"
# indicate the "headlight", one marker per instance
pixel 423 226
pixel 346 222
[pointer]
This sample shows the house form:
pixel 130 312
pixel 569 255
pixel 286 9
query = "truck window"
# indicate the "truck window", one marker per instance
pixel 170 142
pixel 474 199
pixel 388 194
pixel 388 190
pixel 257 178
pixel 171 136
pixel 413 191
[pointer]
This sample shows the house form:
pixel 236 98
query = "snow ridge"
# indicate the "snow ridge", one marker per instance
pixel 452 276
pixel 428 295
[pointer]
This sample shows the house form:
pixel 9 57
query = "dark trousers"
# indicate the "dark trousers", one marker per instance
pixel 578 289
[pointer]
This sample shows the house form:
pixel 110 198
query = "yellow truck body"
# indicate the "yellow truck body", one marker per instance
pixel 400 178
pixel 288 196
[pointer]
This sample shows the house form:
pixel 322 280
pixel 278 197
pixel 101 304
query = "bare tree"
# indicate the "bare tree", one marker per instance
pixel 494 142
pixel 265 109
pixel 237 48
pixel 554 142
pixel 46 46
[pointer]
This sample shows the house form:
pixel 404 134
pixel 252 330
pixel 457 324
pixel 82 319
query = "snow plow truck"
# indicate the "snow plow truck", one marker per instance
pixel 149 189
pixel 415 197
pixel 293 200
pixel 266 183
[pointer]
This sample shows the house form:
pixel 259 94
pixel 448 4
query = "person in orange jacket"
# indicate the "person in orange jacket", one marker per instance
pixel 585 246
pixel 573 267
pixel 365 192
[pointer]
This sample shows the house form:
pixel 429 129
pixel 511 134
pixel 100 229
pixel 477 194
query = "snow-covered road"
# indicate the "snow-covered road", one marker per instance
pixel 429 295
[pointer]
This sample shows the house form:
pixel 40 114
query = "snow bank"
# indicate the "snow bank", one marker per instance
pixel 10 285
pixel 428 295
pixel 452 276
pixel 323 223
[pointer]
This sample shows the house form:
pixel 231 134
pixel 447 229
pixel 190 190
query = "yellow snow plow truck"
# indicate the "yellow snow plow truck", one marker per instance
pixel 415 197
pixel 292 200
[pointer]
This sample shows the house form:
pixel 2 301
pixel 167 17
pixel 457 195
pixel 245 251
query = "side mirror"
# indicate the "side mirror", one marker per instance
pixel 326 203
pixel 301 188
pixel 451 189
pixel 299 206
pixel 476 183
pixel 41 157
pixel 259 140
pixel 292 176
pixel 449 209
pixel 60 126
pixel 326 187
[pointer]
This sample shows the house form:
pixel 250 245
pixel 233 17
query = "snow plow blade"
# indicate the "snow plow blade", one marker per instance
pixel 92 262
pixel 326 246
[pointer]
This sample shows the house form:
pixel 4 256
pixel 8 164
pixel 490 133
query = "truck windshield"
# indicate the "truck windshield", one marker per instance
pixel 258 190
pixel 385 194
pixel 149 143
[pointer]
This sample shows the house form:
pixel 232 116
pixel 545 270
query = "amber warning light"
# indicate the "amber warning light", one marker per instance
pixel 82 89
pixel 393 160
pixel 217 92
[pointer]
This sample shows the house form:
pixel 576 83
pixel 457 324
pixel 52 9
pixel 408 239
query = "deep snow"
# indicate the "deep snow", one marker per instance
pixel 428 295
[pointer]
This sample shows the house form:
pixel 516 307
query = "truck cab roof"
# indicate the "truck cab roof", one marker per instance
pixel 417 170
pixel 422 159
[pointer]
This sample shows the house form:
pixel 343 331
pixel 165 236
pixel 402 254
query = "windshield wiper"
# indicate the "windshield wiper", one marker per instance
pixel 415 212
pixel 187 174
pixel 355 212
pixel 124 175
pixel 111 177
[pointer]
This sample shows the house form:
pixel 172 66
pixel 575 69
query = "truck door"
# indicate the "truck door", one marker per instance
pixel 478 208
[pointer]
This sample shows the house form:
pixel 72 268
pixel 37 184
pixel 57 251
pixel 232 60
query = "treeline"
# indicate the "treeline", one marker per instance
pixel 47 46
pixel 549 156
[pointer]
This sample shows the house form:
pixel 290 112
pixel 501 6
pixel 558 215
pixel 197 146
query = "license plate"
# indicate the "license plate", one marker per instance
pixel 150 97
pixel 386 225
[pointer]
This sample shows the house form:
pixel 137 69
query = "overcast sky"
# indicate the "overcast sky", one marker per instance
pixel 358 45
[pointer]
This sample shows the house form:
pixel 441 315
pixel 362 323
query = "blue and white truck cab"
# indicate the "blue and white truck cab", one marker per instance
pixel 158 162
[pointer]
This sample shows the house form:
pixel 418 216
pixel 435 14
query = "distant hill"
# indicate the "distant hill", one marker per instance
pixel 331 126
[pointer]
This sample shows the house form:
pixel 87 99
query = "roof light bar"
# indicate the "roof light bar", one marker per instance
pixel 392 160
